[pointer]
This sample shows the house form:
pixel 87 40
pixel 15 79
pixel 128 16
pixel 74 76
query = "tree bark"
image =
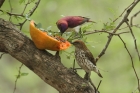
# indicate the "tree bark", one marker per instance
pixel 42 63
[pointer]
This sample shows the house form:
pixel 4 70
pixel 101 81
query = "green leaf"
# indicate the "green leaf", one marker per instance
pixel 109 25
pixel 68 57
pixel 39 25
pixel 21 74
pixel 21 1
pixel 85 27
pixel 18 17
pixel 24 74
pixel 4 12
pixel 32 0
pixel 27 17
pixel 49 28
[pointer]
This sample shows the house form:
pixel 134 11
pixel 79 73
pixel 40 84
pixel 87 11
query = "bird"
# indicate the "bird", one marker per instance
pixel 70 22
pixel 85 58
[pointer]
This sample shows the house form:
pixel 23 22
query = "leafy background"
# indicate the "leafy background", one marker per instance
pixel 115 65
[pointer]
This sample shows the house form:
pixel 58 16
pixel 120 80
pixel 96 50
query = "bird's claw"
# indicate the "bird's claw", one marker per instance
pixel 74 70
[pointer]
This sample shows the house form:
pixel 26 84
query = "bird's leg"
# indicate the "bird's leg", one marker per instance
pixel 87 76
pixel 74 69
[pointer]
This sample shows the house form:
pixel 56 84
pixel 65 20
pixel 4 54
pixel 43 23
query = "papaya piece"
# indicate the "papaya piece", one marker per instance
pixel 44 41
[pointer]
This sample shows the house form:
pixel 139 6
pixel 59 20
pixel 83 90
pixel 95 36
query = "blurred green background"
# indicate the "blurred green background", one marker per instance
pixel 115 65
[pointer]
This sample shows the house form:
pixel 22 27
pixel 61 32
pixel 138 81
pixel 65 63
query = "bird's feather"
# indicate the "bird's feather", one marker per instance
pixel 89 55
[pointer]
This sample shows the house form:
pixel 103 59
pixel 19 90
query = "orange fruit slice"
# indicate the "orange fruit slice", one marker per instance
pixel 44 41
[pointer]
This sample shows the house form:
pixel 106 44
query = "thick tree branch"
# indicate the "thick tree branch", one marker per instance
pixel 42 63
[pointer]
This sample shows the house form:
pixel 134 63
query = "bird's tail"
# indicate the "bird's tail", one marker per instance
pixel 98 72
pixel 91 21
pixel 88 20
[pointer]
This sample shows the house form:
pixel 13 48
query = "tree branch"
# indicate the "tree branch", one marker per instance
pixel 125 18
pixel 135 43
pixel 41 62
pixel 131 21
pixel 131 61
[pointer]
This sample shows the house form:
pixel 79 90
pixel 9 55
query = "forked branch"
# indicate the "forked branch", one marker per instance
pixel 125 18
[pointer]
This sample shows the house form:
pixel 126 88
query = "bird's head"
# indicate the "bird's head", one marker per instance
pixel 62 25
pixel 79 44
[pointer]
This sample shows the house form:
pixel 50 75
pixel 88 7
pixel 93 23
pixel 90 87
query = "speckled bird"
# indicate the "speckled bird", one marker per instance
pixel 85 58
pixel 70 22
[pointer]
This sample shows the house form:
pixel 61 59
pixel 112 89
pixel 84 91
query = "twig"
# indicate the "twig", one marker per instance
pixel 18 76
pixel 73 68
pixel 131 20
pixel 1 55
pixel 96 91
pixel 127 27
pixel 25 7
pixel 123 11
pixel 131 61
pixel 15 14
pixel 118 26
pixel 11 9
pixel 22 14
pixel 91 32
pixel 11 14
pixel 134 40
pixel 99 84
pixel 30 13
pixel 96 31
pixel 138 26
pixel 1 3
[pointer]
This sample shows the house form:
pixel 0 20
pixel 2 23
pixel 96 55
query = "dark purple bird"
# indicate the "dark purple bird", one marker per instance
pixel 70 22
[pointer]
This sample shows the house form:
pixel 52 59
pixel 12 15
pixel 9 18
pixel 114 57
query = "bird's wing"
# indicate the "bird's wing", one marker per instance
pixel 89 55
